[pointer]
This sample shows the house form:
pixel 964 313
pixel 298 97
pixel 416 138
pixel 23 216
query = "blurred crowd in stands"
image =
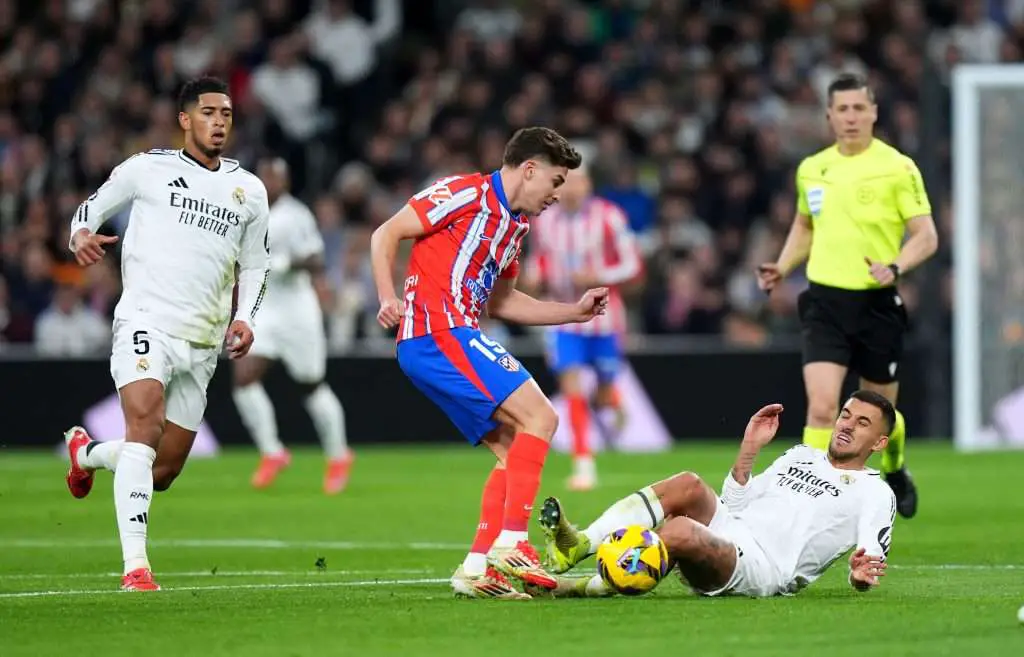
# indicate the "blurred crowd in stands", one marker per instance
pixel 691 115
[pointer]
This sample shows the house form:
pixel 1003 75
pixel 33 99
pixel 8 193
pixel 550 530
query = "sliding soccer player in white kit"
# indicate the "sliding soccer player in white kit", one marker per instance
pixel 292 331
pixel 194 217
pixel 771 534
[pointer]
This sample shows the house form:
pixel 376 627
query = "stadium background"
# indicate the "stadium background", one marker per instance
pixel 692 115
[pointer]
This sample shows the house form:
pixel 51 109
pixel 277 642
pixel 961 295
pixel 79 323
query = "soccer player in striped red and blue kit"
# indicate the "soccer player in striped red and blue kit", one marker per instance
pixel 467 233
pixel 584 241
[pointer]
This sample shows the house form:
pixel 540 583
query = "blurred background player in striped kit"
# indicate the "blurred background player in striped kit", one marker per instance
pixel 583 242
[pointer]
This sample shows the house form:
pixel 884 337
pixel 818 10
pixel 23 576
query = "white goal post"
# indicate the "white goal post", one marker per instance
pixel 988 252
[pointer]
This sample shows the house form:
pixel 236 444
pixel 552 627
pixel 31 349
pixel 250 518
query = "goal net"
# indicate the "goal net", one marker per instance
pixel 988 249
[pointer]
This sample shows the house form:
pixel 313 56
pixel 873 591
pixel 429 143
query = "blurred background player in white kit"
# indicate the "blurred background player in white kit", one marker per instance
pixel 292 331
pixel 582 242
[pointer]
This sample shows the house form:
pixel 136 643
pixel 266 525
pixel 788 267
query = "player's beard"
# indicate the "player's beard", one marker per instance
pixel 210 151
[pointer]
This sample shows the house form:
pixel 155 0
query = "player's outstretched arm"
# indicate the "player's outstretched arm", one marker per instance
pixel 509 304
pixel 119 190
pixel 738 484
pixel 404 225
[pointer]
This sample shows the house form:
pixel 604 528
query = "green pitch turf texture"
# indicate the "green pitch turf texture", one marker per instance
pixel 289 571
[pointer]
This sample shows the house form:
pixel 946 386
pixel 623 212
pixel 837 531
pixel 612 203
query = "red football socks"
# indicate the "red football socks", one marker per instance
pixel 525 462
pixel 579 421
pixel 492 511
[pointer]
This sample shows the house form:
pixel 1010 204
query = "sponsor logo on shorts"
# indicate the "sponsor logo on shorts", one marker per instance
pixel 509 363
pixel 142 365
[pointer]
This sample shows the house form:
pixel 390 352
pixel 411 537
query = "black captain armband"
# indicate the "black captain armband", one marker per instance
pixel 895 269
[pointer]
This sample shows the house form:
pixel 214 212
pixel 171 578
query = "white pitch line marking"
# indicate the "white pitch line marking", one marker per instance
pixel 236 543
pixel 229 573
pixel 225 587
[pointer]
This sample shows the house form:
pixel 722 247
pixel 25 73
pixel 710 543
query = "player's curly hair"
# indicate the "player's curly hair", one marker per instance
pixel 540 143
pixel 196 87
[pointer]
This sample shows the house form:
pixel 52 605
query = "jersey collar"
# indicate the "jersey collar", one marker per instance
pixel 184 155
pixel 499 190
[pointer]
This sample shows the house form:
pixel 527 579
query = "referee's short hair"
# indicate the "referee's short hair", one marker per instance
pixel 881 403
pixel 849 82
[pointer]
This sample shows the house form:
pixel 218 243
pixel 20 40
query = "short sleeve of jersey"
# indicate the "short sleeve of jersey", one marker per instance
pixel 801 193
pixel 911 197
pixel 437 205
pixel 512 271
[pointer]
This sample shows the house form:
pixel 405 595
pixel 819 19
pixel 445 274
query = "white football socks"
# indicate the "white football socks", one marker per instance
pixel 328 417
pixel 257 413
pixel 508 538
pixel 640 508
pixel 133 491
pixel 474 564
pixel 96 455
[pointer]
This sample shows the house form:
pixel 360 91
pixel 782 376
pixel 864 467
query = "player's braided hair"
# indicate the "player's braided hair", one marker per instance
pixel 196 87
pixel 540 143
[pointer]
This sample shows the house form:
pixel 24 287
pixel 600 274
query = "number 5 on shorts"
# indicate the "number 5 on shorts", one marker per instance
pixel 488 347
pixel 141 340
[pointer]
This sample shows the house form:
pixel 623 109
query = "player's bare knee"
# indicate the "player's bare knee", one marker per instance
pixel 541 421
pixel 569 382
pixel 681 494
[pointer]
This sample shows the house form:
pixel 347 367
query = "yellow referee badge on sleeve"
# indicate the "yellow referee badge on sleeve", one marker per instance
pixel 815 198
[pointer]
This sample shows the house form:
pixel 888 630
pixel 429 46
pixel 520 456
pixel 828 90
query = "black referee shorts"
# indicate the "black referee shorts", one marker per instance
pixel 859 329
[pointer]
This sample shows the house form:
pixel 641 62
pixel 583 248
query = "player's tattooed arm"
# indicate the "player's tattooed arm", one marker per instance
pixel 744 464
pixel 760 431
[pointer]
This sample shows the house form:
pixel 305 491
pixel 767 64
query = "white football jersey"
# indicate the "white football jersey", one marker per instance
pixel 294 236
pixel 805 513
pixel 187 229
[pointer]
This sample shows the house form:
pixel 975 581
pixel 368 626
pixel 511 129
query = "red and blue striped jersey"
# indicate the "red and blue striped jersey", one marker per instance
pixel 595 240
pixel 472 239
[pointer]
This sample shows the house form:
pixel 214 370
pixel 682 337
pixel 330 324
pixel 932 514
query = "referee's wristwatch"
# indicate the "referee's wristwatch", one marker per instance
pixel 895 269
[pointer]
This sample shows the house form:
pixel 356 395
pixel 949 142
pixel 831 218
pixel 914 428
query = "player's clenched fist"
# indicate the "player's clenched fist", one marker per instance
pixel 239 339
pixel 88 247
pixel 593 303
pixel 768 276
pixel 390 312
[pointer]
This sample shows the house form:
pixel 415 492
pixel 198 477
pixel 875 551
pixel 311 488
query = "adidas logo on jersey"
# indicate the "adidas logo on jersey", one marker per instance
pixel 180 182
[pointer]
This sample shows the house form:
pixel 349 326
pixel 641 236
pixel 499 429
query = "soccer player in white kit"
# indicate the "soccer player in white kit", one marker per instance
pixel 292 331
pixel 771 534
pixel 194 216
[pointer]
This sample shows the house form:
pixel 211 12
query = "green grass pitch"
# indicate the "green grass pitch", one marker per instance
pixel 241 575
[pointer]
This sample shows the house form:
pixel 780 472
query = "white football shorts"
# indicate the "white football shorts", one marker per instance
pixel 756 575
pixel 295 336
pixel 142 352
